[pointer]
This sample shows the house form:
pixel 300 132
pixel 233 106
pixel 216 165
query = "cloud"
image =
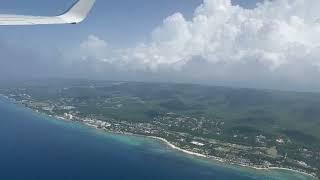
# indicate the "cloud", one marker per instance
pixel 275 44
pixel 93 47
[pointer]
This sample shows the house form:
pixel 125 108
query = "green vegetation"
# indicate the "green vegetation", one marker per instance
pixel 281 128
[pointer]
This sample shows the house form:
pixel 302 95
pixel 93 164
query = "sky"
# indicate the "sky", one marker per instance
pixel 242 43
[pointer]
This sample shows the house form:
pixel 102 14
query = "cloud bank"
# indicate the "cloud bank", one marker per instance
pixel 275 45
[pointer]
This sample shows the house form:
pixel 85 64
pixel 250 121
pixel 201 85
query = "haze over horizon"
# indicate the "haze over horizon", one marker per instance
pixel 273 45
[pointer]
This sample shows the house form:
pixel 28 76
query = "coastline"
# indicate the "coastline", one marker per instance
pixel 177 148
pixel 169 144
pixel 221 160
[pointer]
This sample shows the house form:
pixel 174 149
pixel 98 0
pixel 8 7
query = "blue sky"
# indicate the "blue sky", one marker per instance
pixel 217 42
pixel 120 22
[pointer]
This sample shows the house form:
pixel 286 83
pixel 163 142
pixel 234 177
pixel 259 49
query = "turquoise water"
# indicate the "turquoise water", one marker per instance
pixel 35 147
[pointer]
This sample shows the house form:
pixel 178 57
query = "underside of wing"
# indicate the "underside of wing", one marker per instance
pixel 29 20
pixel 76 14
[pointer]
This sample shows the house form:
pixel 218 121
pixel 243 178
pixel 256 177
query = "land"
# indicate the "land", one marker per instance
pixel 248 127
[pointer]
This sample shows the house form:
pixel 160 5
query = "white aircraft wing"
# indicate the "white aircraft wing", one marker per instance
pixel 76 14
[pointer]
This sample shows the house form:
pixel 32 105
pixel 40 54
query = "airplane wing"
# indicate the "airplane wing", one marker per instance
pixel 76 14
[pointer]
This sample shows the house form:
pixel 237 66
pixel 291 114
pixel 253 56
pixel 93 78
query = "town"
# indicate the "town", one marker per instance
pixel 194 133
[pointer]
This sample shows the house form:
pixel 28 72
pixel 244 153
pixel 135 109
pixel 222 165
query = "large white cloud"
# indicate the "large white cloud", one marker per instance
pixel 276 41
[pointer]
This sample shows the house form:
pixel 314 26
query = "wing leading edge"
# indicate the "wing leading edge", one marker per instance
pixel 76 14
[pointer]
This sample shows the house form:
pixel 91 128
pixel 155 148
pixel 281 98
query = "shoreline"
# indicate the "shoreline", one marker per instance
pixel 168 143
pixel 177 148
pixel 221 160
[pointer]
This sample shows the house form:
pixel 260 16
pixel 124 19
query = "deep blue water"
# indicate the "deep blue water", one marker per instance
pixel 34 147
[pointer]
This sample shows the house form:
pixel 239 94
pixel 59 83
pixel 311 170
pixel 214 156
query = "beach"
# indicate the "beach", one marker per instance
pixel 221 160
pixel 171 145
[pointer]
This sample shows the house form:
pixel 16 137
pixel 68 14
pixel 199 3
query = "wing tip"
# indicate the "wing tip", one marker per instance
pixel 78 11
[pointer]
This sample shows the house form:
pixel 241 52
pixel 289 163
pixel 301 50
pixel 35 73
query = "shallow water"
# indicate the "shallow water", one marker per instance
pixel 33 147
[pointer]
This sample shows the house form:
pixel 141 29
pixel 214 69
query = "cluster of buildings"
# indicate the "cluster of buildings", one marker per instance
pixel 179 130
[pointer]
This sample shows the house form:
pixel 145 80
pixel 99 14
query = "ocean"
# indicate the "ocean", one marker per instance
pixel 36 147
